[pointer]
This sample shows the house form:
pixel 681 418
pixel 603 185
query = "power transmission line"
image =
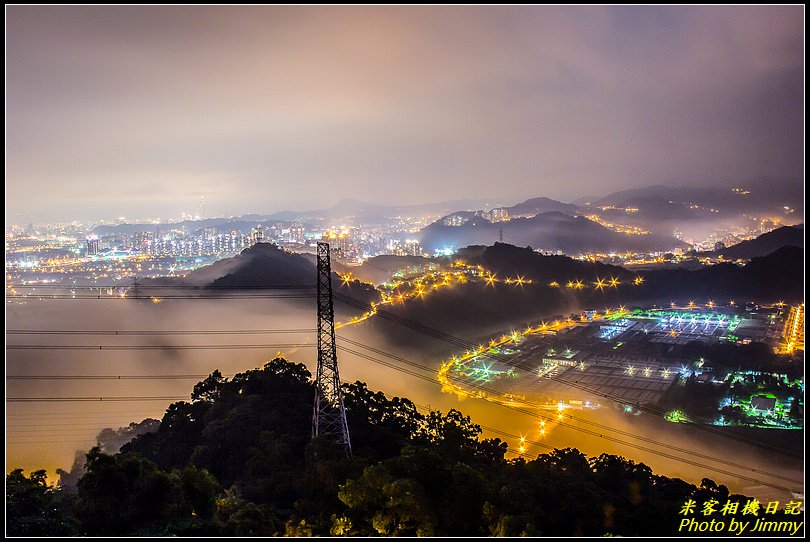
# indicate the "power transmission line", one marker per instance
pixel 84 399
pixel 156 331
pixel 158 347
pixel 159 287
pixel 37 296
pixel 107 377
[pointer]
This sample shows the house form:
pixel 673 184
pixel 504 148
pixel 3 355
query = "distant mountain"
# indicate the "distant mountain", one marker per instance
pixel 661 192
pixel 778 275
pixel 711 201
pixel 697 211
pixel 263 266
pixel 266 265
pixel 765 243
pixel 345 207
pixel 775 276
pixel 548 231
pixel 529 208
pixel 349 207
pixel 535 206
pixel 584 200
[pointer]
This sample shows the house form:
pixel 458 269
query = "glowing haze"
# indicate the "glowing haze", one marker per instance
pixel 139 111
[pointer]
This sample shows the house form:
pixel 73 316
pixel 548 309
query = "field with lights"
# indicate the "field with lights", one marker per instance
pixel 598 359
pixel 671 326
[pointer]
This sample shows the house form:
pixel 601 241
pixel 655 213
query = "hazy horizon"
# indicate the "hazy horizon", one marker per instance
pixel 139 111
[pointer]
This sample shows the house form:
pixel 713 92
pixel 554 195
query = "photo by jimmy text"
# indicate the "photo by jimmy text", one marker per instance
pixel 753 517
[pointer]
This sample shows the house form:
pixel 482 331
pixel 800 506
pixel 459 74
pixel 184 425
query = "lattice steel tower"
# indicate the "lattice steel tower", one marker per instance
pixel 329 414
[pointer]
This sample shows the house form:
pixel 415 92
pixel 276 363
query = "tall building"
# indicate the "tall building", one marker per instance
pixel 256 235
pixel 454 220
pixel 297 233
pixel 412 248
pixel 342 243
pixel 498 215
pixel 794 329
pixel 91 245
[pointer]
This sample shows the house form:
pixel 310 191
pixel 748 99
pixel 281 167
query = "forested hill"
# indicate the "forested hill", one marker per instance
pixel 237 460
pixel 778 275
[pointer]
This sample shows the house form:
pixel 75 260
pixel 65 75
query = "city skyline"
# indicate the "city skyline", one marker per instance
pixel 140 111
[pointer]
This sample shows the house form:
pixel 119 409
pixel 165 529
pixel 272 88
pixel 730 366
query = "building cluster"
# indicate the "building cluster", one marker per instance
pixel 498 214
pixel 353 245
pixel 793 332
pixel 206 242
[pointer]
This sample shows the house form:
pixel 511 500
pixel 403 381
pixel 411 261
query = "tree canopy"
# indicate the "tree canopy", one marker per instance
pixel 237 460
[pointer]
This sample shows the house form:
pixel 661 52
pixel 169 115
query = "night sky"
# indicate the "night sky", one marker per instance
pixel 139 111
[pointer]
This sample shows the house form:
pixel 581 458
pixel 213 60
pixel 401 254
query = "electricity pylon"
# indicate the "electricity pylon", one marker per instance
pixel 329 414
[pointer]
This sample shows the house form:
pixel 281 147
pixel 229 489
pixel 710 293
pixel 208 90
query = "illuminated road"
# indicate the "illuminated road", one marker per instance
pixel 423 285
pixel 401 290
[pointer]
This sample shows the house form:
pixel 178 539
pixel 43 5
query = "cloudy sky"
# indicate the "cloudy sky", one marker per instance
pixel 139 111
